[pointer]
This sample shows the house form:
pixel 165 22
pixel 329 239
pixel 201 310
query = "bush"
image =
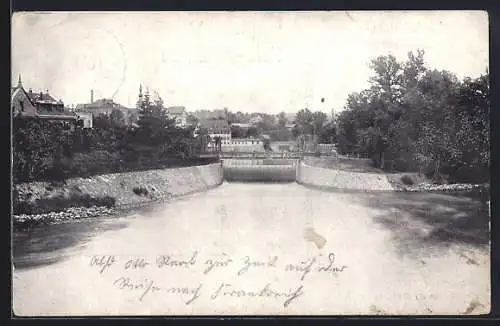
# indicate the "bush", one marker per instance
pixel 407 180
pixel 140 191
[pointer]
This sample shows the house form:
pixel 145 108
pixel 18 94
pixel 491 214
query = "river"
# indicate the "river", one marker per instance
pixel 404 253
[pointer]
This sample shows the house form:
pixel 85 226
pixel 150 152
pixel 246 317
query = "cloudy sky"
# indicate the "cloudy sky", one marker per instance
pixel 248 61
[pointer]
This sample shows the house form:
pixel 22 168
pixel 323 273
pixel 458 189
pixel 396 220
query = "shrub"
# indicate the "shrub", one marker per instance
pixel 140 191
pixel 407 180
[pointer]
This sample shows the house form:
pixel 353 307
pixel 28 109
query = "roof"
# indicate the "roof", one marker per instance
pixel 43 98
pixel 102 103
pixel 176 110
pixel 205 114
pixel 15 90
pixel 242 125
pixel 214 124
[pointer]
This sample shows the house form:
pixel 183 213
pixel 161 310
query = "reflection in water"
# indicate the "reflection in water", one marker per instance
pixel 48 244
pixel 424 220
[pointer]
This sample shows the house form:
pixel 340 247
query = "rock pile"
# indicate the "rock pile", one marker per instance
pixel 73 213
pixel 457 187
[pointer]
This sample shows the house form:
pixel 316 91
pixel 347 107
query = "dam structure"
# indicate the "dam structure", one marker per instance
pixel 279 168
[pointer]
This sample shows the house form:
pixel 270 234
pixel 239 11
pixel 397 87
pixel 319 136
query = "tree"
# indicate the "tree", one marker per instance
pixel 40 147
pixel 252 132
pixel 117 117
pixel 328 134
pixel 318 120
pixel 192 120
pixel 415 118
pixel 282 120
pixel 238 132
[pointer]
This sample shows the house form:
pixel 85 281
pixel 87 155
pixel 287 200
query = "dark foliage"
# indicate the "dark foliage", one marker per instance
pixel 47 205
pixel 413 118
pixel 55 151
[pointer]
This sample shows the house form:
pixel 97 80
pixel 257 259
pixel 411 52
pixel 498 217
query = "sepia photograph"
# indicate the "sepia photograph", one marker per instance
pixel 229 163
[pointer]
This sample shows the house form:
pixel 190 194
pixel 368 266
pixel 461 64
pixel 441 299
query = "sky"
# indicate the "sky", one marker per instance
pixel 245 61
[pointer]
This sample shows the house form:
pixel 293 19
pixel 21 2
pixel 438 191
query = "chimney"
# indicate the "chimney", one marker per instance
pixel 91 96
pixel 30 92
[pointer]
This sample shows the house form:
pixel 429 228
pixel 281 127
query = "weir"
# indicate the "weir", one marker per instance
pixel 260 169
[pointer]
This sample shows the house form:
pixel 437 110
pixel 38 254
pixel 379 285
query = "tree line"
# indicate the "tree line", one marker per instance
pixel 414 118
pixel 54 150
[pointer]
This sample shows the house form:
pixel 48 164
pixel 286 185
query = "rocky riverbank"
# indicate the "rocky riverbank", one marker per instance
pixel 23 221
pixel 457 187
pixel 45 203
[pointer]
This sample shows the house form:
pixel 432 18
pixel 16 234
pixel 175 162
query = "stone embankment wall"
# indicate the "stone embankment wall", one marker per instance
pixel 342 180
pixel 133 188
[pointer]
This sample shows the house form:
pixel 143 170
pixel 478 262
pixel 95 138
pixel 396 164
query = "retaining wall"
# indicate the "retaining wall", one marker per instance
pixel 342 180
pixel 159 184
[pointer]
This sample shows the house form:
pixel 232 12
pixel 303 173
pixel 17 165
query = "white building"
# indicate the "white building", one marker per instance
pixel 86 117
pixel 244 145
pixel 179 114
pixel 215 128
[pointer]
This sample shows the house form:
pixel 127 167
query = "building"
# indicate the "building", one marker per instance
pixel 242 125
pixel 86 118
pixel 215 128
pixel 104 106
pixel 38 104
pixel 21 103
pixel 207 114
pixel 179 114
pixel 243 145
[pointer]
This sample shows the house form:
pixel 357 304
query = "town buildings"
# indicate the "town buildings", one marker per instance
pixel 243 145
pixel 106 107
pixel 38 104
pixel 215 128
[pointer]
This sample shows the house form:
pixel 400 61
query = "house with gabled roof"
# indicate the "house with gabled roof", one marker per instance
pixel 20 101
pixel 38 104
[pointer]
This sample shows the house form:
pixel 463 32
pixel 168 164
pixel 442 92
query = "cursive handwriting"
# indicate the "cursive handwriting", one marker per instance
pixel 330 267
pixel 136 263
pixel 145 286
pixel 226 289
pixel 303 267
pixel 211 263
pixel 195 292
pixel 103 262
pixel 249 263
pixel 168 261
